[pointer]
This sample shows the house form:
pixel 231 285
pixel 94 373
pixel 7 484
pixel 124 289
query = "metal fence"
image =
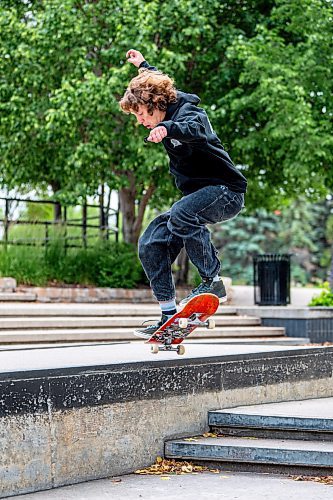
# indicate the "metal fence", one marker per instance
pixel 106 224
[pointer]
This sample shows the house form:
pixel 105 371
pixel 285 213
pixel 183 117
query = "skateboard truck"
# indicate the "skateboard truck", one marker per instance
pixel 186 322
pixel 155 349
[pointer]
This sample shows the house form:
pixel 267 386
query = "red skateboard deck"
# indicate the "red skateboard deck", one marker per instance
pixel 195 313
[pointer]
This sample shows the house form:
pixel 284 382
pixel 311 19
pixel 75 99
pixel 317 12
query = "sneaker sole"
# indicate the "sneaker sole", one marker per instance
pixel 142 335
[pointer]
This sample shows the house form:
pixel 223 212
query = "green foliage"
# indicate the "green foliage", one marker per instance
pixel 61 123
pixel 325 299
pixel 297 229
pixel 279 116
pixel 114 265
pixel 65 69
pixel 262 68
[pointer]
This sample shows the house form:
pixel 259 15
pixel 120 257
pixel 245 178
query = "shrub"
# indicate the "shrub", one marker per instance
pixel 325 299
pixel 107 264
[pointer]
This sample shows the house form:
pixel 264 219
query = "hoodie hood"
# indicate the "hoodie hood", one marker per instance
pixel 182 98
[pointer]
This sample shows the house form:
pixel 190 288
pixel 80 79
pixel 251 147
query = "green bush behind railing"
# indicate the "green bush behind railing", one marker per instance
pixel 106 264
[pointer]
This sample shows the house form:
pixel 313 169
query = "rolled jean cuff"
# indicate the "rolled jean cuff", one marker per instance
pixel 162 299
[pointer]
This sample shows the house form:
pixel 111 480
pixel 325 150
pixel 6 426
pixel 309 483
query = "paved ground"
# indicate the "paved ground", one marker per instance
pixel 210 486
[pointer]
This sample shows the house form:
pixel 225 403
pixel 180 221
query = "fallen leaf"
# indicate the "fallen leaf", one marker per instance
pixel 209 435
pixel 164 466
pixel 187 468
pixel 317 479
pixel 165 478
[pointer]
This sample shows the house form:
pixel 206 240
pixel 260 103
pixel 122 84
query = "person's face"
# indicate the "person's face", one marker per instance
pixel 147 120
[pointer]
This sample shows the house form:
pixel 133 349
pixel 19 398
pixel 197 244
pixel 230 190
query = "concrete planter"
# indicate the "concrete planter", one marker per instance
pixel 313 322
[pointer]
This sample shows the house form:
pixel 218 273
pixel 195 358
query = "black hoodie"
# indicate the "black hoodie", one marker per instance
pixel 197 157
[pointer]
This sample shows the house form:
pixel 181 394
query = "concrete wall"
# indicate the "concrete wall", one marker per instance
pixel 59 428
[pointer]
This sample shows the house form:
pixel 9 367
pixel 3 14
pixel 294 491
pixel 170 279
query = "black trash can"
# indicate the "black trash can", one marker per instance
pixel 271 279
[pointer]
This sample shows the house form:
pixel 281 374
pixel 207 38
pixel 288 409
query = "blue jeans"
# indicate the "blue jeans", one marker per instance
pixel 185 225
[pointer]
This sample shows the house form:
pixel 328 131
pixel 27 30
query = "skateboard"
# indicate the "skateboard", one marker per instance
pixel 195 313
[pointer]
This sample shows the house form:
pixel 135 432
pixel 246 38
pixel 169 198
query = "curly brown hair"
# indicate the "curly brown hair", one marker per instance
pixel 152 88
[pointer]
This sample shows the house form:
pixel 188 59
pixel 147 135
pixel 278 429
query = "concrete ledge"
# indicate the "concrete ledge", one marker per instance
pixel 287 312
pixel 73 414
pixel 313 322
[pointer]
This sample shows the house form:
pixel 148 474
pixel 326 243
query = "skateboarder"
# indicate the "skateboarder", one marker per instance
pixel 212 188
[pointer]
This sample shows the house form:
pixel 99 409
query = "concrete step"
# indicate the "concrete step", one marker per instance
pixel 106 322
pixel 72 310
pixel 254 341
pixel 253 450
pixel 97 334
pixel 287 419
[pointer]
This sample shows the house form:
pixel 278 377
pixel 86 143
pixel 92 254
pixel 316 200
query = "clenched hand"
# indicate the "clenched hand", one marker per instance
pixel 135 57
pixel 157 134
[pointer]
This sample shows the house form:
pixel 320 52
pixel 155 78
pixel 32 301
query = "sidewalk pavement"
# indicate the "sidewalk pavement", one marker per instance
pixel 299 296
pixel 203 486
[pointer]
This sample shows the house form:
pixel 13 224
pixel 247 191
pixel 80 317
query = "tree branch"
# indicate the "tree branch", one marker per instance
pixel 142 207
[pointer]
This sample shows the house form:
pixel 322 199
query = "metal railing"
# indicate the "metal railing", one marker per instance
pixel 104 228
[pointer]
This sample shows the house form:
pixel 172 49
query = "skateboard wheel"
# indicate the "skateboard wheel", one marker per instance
pixel 154 349
pixel 181 350
pixel 210 324
pixel 183 322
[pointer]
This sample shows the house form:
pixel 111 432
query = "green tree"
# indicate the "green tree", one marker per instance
pixel 64 70
pixel 278 116
pixel 60 121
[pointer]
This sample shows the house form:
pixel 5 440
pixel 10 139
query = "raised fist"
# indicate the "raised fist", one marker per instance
pixel 135 57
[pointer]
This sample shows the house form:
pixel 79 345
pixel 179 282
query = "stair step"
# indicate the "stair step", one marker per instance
pixel 89 334
pixel 253 450
pixel 310 415
pixel 72 310
pixel 106 322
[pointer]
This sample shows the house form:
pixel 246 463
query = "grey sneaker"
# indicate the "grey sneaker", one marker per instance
pixel 208 286
pixel 149 330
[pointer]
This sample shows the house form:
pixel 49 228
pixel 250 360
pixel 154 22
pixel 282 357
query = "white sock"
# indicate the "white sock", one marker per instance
pixel 217 278
pixel 169 308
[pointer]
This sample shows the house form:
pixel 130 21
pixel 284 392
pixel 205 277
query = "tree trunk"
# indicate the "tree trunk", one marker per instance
pixel 133 213
pixel 102 219
pixel 57 212
pixel 57 206
pixel 127 208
